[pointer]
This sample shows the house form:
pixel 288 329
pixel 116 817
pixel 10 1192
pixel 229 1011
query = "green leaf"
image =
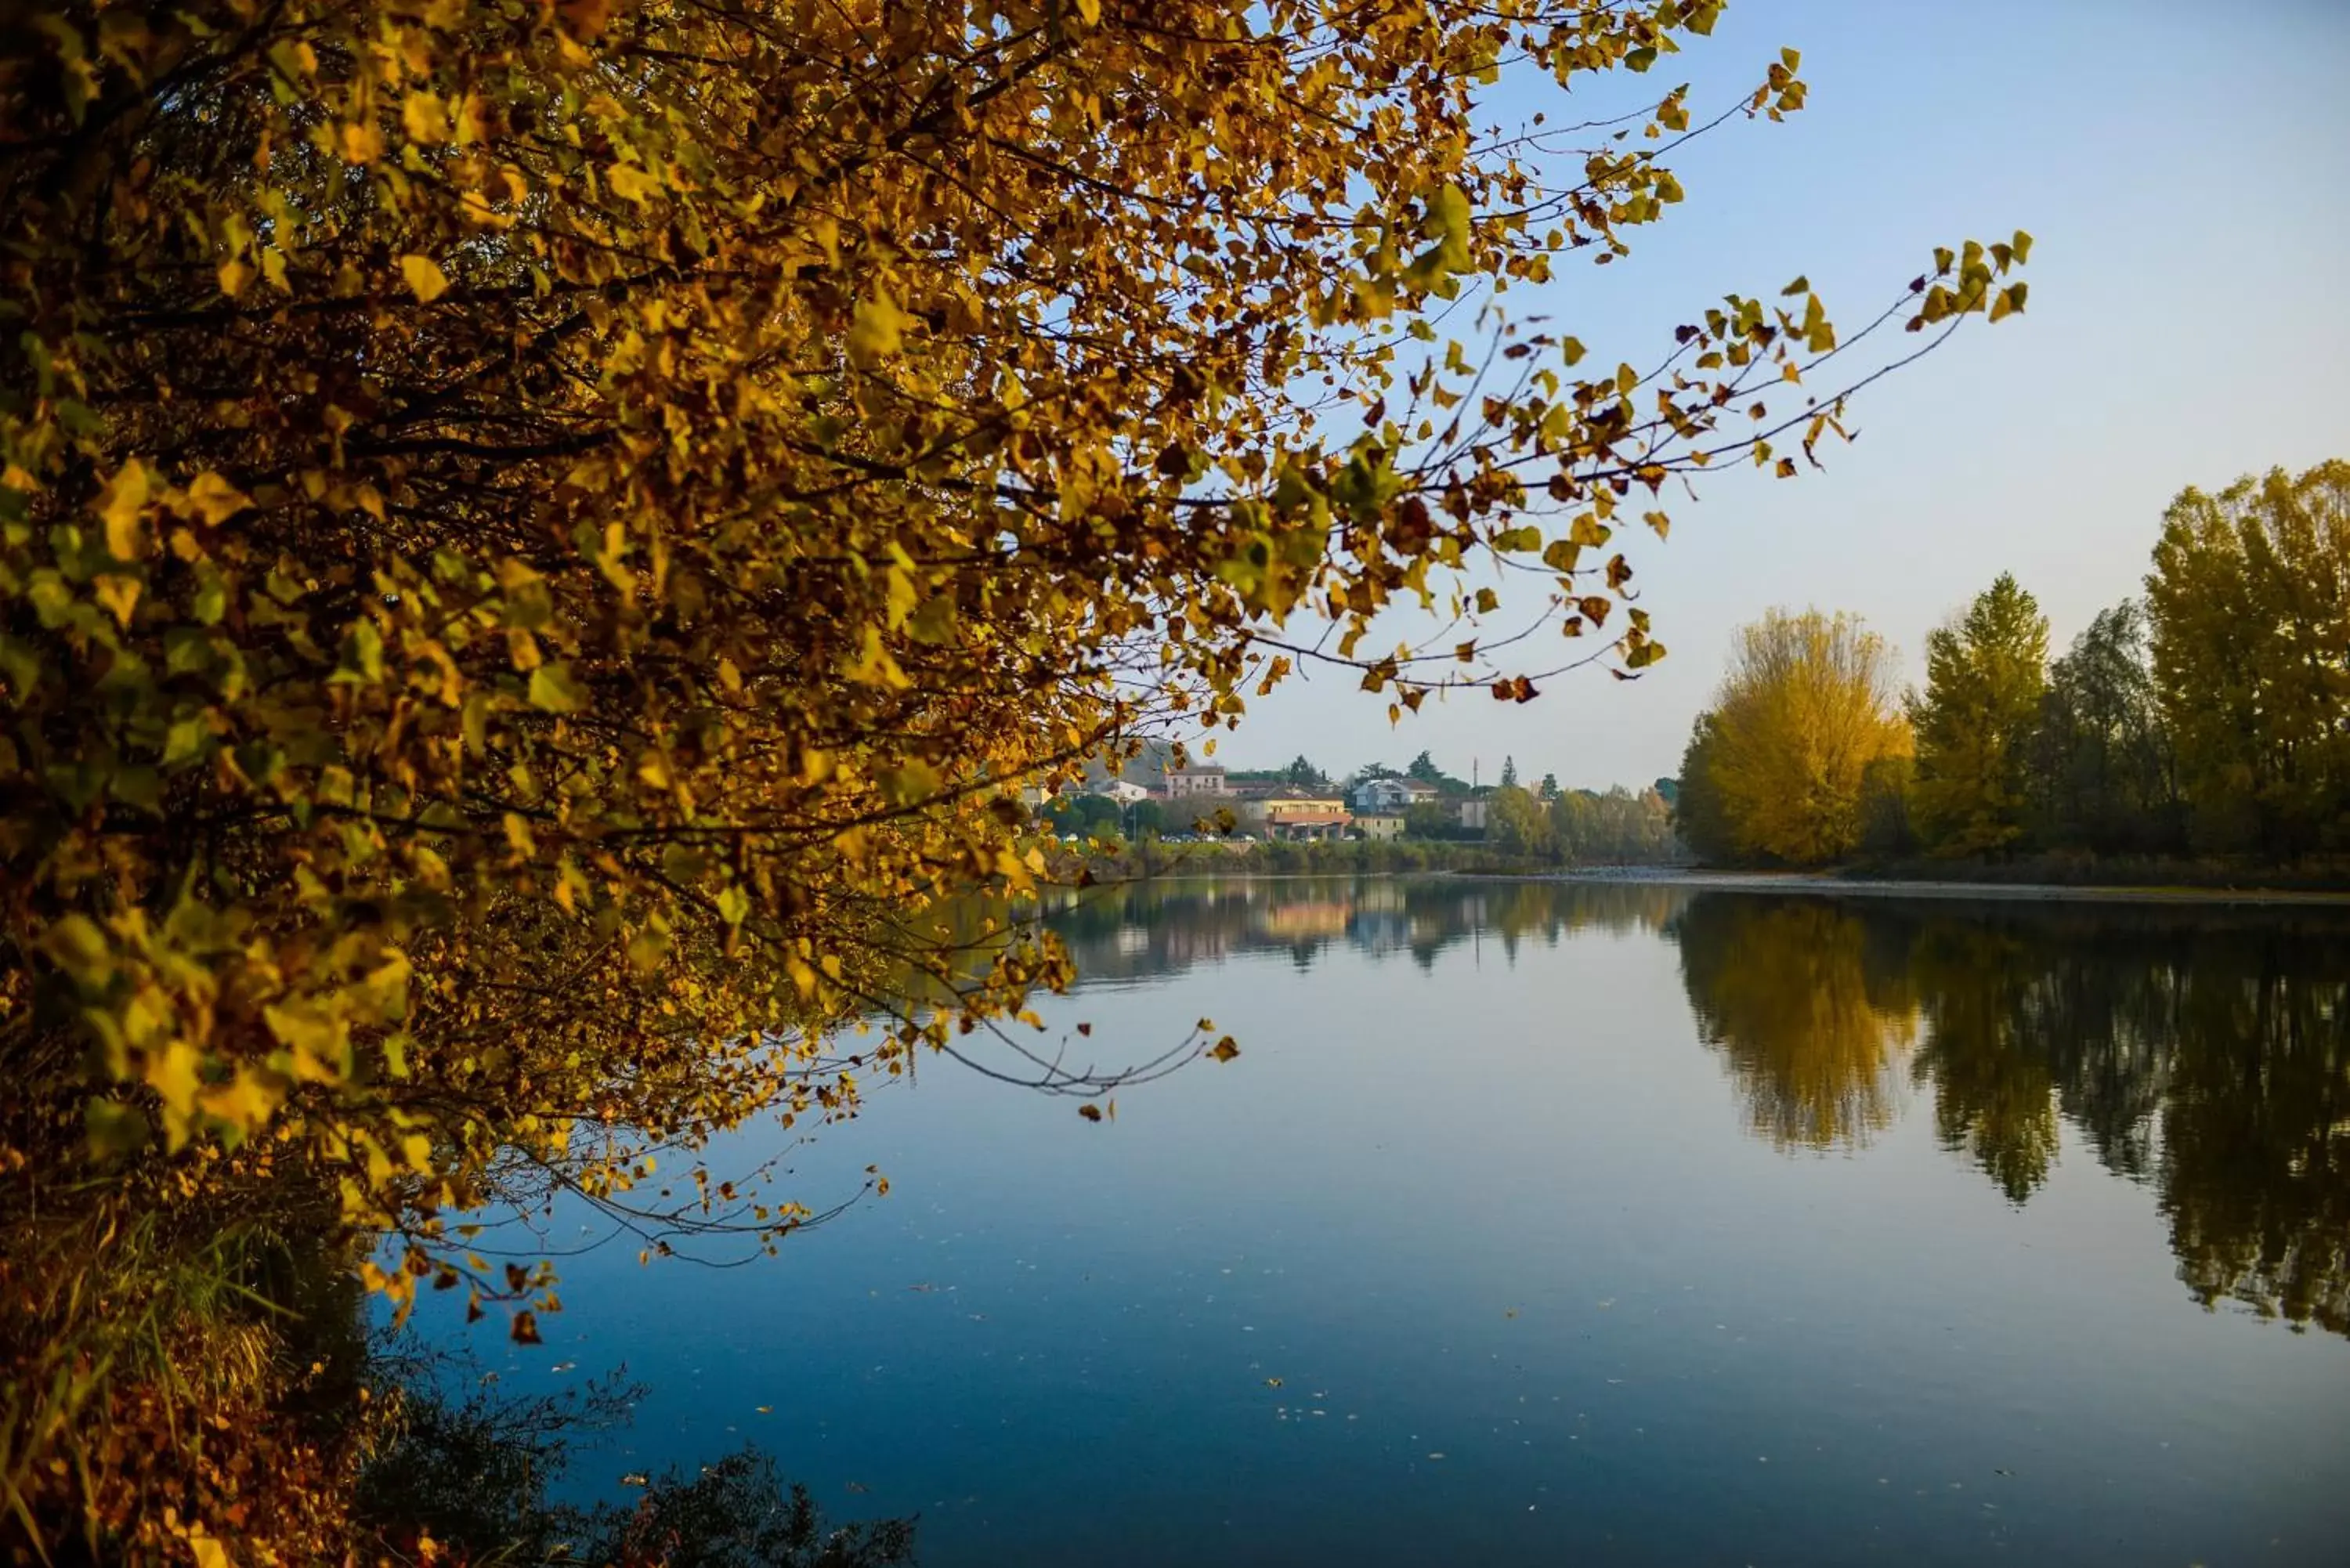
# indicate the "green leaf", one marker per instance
pixel 115 1130
pixel 554 690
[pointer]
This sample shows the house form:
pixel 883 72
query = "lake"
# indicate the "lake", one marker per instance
pixel 1570 1222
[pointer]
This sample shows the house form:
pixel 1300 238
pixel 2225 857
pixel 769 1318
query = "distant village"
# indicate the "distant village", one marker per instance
pixel 1155 796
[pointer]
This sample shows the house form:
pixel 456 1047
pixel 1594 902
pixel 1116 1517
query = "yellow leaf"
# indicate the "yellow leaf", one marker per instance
pixel 120 595
pixel 121 507
pixel 631 184
pixel 878 328
pixel 425 118
pixel 424 276
pixel 362 142
pixel 233 277
pixel 210 499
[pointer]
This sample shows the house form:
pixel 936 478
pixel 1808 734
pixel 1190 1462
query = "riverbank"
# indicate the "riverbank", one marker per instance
pixel 1860 885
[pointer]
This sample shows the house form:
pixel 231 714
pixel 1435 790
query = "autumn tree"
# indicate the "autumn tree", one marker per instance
pixel 1807 707
pixel 539 546
pixel 2249 613
pixel 1985 672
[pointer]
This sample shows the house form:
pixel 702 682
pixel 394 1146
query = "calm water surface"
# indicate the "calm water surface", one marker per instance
pixel 1572 1223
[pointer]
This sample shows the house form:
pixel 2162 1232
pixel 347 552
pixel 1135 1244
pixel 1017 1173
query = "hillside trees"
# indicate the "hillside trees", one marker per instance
pixel 1985 673
pixel 538 543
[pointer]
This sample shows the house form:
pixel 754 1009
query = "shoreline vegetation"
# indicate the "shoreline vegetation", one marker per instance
pixel 2046 878
pixel 2200 734
pixel 1937 882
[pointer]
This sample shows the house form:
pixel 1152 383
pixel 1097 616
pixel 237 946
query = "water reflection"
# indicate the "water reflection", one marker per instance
pixel 1813 1021
pixel 1141 930
pixel 2203 1052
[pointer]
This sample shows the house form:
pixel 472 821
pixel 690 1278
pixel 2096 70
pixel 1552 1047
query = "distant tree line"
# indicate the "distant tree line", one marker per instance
pixel 2211 717
pixel 1581 826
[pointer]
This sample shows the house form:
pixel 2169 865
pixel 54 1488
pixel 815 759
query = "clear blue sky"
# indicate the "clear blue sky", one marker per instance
pixel 2185 171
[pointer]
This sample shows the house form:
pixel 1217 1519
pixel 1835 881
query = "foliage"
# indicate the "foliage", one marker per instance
pixel 1302 773
pixel 1887 786
pixel 2101 774
pixel 538 543
pixel 1985 674
pixel 1423 768
pixel 2249 611
pixel 1085 816
pixel 1433 819
pixel 1701 820
pixel 1509 772
pixel 1515 822
pixel 1614 828
pixel 475 1477
pixel 1806 708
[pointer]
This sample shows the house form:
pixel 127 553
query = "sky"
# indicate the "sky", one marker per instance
pixel 2184 171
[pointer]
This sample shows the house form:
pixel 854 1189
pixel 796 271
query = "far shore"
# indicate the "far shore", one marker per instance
pixel 1847 885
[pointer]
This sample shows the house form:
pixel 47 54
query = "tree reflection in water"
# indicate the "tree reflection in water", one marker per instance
pixel 1813 1030
pixel 2201 1050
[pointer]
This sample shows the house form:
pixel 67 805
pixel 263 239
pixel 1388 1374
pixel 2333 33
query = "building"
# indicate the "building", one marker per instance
pixel 1472 814
pixel 1122 791
pixel 1380 824
pixel 1200 779
pixel 1297 817
pixel 1392 795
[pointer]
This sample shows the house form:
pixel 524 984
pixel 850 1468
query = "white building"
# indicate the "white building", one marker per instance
pixel 1202 779
pixel 1388 796
pixel 1123 790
